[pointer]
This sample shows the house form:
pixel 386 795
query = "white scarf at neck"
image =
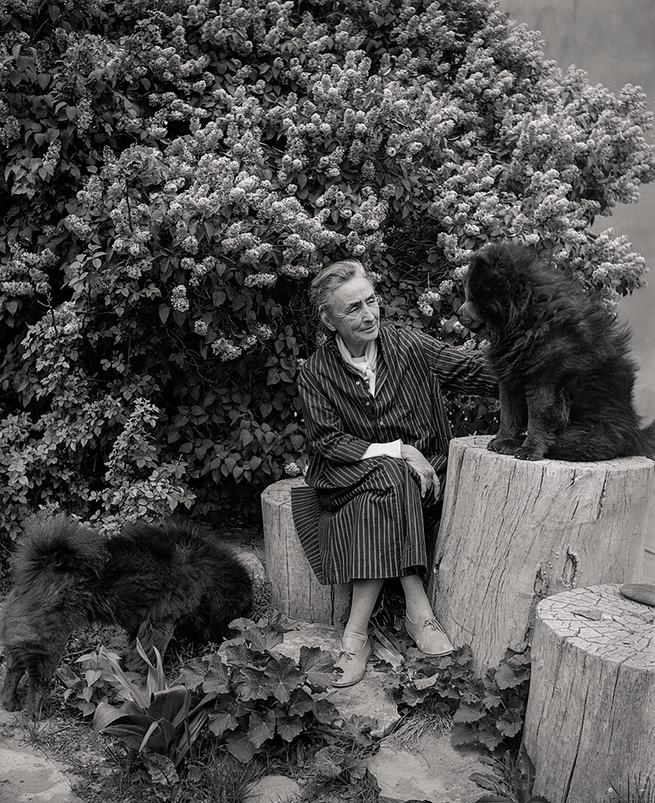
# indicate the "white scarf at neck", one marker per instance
pixel 366 365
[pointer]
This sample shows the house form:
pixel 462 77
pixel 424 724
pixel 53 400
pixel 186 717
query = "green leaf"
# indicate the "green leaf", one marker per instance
pixel 132 690
pixel 240 747
pixel 468 713
pixel 253 684
pixel 171 704
pixel 260 729
pixel 326 712
pixel 222 719
pixel 217 679
pixel 191 678
pixel 289 727
pixel 506 677
pixel 318 666
pixel 161 769
pixel 285 677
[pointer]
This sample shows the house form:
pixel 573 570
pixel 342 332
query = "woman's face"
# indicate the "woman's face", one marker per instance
pixel 355 314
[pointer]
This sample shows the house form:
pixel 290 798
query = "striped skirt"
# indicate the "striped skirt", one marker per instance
pixel 372 527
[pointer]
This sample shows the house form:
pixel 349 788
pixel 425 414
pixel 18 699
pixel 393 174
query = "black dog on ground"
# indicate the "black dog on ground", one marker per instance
pixel 153 581
pixel 562 361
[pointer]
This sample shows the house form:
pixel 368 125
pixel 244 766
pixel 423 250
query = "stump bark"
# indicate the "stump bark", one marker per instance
pixel 514 532
pixel 590 721
pixel 294 588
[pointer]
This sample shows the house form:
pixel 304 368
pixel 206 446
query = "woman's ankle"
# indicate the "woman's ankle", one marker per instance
pixel 352 640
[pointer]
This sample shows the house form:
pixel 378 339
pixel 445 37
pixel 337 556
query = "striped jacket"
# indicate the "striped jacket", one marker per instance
pixel 342 419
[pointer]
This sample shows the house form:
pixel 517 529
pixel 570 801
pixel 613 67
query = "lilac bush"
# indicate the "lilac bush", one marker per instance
pixel 174 173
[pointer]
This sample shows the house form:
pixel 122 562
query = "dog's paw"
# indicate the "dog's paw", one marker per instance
pixel 528 453
pixel 504 445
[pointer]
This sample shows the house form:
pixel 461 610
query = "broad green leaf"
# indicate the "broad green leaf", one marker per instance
pixel 289 727
pixel 221 721
pixel 284 678
pixel 260 729
pixel 468 713
pixel 240 747
pixel 252 684
pixel 318 665
pixel 172 704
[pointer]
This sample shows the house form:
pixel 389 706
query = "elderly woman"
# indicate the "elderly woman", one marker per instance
pixel 378 432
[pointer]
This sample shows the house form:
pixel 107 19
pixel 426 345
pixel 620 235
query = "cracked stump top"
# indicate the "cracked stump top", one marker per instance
pixel 603 623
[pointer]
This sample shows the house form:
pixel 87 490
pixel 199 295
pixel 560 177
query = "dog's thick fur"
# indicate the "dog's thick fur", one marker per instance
pixel 153 581
pixel 562 361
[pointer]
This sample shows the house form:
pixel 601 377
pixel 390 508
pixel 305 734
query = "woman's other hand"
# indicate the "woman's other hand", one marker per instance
pixel 422 468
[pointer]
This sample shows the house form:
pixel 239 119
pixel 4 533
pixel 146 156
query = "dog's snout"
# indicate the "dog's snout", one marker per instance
pixel 468 317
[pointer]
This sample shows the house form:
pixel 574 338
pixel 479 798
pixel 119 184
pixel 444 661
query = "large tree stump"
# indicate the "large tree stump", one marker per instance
pixel 590 721
pixel 294 588
pixel 513 532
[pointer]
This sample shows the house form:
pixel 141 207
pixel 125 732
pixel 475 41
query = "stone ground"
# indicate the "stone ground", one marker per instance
pixel 26 773
pixel 427 769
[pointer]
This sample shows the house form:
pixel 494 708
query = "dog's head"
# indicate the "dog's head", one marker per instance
pixel 496 287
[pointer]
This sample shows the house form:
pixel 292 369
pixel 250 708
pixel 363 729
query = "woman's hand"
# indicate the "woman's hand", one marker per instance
pixel 422 468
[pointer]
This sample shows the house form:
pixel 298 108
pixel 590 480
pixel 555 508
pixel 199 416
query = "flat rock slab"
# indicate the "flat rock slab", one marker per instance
pixel 273 789
pixel 25 773
pixel 430 769
pixel 366 698
pixel 28 776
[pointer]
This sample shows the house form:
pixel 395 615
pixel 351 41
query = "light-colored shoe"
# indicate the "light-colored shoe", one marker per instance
pixel 429 636
pixel 352 664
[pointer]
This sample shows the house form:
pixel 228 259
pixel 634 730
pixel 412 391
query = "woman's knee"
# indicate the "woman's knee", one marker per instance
pixel 392 472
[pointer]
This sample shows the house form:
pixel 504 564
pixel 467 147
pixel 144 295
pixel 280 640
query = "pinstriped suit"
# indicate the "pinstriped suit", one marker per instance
pixel 370 520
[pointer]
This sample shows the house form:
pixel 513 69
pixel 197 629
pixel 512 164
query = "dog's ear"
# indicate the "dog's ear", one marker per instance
pixel 485 280
pixel 492 283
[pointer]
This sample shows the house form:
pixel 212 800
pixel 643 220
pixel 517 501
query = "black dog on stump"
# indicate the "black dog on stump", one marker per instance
pixel 562 361
pixel 152 580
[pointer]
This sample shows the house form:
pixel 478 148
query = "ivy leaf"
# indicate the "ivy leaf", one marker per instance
pixel 506 676
pixel 301 702
pixel 318 666
pixel 253 684
pixel 510 723
pixel 412 696
pixel 217 680
pixel 468 713
pixel 289 727
pixel 260 729
pixel 192 678
pixel 240 746
pixel 263 640
pixel 222 719
pixel 425 683
pixel 284 678
pixel 326 712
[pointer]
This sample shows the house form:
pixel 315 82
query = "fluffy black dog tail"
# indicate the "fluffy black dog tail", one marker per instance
pixel 58 544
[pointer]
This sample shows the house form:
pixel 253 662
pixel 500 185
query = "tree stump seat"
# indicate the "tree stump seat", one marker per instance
pixel 590 720
pixel 514 532
pixel 295 591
